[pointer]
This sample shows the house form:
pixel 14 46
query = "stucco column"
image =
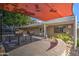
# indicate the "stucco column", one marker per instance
pixel 75 32
pixel 45 31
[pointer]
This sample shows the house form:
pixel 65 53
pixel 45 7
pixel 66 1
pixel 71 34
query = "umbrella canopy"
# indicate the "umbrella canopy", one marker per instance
pixel 42 11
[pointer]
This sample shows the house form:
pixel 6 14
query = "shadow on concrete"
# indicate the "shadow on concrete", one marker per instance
pixel 13 44
pixel 52 45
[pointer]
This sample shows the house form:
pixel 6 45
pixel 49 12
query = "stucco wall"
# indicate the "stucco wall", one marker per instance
pixel 50 30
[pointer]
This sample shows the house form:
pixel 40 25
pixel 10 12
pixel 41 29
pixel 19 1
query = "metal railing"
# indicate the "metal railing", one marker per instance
pixel 11 41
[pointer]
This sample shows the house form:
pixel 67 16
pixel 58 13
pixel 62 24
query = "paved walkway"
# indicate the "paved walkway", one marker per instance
pixel 39 48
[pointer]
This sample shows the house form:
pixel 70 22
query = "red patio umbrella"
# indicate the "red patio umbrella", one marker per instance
pixel 42 11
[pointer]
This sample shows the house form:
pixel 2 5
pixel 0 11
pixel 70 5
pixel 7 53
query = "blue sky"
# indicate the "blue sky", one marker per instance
pixel 76 10
pixel 34 19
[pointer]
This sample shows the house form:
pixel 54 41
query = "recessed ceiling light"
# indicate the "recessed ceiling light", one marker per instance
pixel 52 10
pixel 36 6
pixel 38 10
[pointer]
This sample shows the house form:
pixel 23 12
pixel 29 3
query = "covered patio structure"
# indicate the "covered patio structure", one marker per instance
pixel 56 18
pixel 49 28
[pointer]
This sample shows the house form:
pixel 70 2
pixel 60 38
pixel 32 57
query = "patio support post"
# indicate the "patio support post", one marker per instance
pixel 45 32
pixel 75 33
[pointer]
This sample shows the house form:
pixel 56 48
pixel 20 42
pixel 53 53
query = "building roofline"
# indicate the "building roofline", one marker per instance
pixel 58 20
pixel 63 19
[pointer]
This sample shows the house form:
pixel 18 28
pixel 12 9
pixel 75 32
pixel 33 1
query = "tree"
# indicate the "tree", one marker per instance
pixel 15 19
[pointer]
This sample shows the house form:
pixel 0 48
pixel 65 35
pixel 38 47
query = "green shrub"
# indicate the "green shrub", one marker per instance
pixel 65 37
pixel 78 42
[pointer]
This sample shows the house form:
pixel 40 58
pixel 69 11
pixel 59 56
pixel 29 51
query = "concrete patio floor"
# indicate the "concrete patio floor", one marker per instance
pixel 39 48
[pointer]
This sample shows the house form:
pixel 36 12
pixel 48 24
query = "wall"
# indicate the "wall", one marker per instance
pixel 50 30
